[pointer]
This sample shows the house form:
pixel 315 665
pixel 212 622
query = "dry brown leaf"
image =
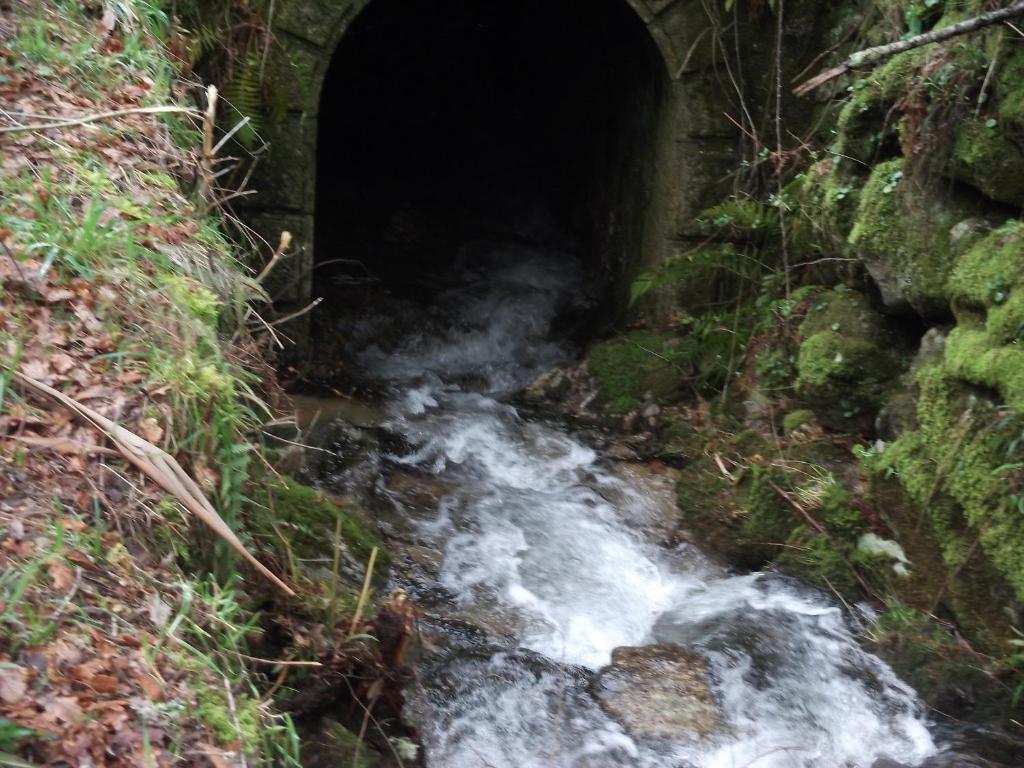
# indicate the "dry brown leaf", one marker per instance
pixel 57 295
pixel 63 709
pixel 63 445
pixel 103 683
pixel 151 688
pixel 159 611
pixel 88 319
pixel 205 476
pixel 150 429
pixel 61 576
pixel 13 684
pixel 37 369
pixel 61 362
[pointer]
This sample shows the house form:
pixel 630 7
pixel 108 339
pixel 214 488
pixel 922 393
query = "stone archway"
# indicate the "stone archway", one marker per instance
pixel 690 146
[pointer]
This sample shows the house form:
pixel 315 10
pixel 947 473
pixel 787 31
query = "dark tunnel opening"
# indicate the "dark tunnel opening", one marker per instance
pixel 444 122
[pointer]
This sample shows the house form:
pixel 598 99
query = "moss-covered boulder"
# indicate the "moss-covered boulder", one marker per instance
pixel 866 130
pixel 846 362
pixel 990 158
pixel 901 234
pixel 636 367
pixel 946 674
pixel 987 289
pixel 949 468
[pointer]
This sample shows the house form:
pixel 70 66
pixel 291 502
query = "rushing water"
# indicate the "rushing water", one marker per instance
pixel 541 536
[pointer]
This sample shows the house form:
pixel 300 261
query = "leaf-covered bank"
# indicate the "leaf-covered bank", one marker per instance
pixel 131 635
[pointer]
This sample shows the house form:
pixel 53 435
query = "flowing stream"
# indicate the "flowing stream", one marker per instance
pixel 546 544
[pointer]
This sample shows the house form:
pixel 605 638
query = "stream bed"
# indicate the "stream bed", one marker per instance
pixel 534 557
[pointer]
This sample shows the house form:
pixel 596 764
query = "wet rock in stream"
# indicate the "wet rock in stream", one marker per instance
pixel 658 692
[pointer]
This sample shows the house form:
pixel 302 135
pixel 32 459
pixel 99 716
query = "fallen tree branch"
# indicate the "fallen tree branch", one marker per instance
pixel 159 466
pixel 873 55
pixel 68 122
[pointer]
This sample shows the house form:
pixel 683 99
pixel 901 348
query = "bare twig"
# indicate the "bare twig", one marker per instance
pixel 273 662
pixel 280 253
pixel 799 508
pixel 68 122
pixel 227 136
pixel 826 52
pixel 873 55
pixel 308 308
pixel 779 161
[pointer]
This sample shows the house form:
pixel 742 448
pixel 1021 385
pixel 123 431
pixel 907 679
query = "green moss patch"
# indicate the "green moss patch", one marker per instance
pixel 902 236
pixel 635 367
pixel 989 157
pixel 309 519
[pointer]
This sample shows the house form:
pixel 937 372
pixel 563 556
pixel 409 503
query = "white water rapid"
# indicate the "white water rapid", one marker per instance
pixel 540 533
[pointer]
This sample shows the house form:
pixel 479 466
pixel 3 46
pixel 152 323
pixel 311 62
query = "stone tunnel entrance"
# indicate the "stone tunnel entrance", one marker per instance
pixel 444 122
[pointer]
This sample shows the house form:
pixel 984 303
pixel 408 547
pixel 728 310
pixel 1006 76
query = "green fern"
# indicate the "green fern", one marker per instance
pixel 705 264
pixel 740 217
pixel 244 95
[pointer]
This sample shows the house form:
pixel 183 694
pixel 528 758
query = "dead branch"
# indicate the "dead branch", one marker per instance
pixel 159 466
pixel 788 497
pixel 206 160
pixel 68 122
pixel 873 55
pixel 282 249
pixel 308 308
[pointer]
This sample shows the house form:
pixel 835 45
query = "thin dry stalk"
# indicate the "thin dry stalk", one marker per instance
pixel 68 122
pixel 206 160
pixel 364 594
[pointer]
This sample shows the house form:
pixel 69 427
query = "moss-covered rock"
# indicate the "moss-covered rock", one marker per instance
pixel 902 236
pixel 820 561
pixel 847 313
pixel 948 468
pixel 990 158
pixel 946 674
pixel 848 359
pixel 866 129
pixel 768 519
pixel 843 379
pixel 987 289
pixel 308 520
pixel 1009 88
pixel 635 367
pixel 792 421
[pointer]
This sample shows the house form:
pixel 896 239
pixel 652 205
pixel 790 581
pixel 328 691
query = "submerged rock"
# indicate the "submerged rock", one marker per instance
pixel 658 692
pixel 566 389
